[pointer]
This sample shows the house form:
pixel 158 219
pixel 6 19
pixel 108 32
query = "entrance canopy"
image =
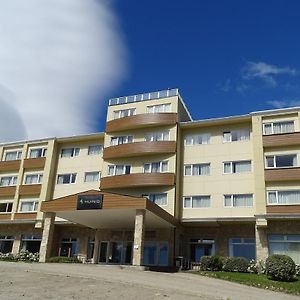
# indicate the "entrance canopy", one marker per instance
pixel 96 209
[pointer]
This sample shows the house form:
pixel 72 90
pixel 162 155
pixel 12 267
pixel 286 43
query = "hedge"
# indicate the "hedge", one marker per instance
pixel 280 267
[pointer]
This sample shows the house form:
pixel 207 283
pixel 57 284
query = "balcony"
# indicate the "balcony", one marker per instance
pixel 283 139
pixel 10 165
pixel 30 189
pixel 34 163
pixel 283 209
pixel 140 121
pixel 7 191
pixel 284 174
pixel 139 149
pixel 137 180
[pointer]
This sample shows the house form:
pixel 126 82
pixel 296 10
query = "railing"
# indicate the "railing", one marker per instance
pixel 144 97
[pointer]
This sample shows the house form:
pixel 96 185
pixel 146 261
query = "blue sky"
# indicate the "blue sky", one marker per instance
pixel 226 57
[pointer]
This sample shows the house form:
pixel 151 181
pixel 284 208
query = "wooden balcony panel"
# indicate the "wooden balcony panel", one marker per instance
pixel 285 174
pixel 284 139
pixel 10 165
pixel 25 216
pixel 283 209
pixel 137 180
pixel 30 189
pixel 34 163
pixel 5 217
pixel 7 191
pixel 139 149
pixel 140 121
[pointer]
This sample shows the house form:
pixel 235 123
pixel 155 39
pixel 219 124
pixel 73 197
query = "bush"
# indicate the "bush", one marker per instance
pixel 280 267
pixel 252 267
pixel 236 264
pixel 211 263
pixel 297 270
pixel 7 257
pixel 25 255
pixel 63 259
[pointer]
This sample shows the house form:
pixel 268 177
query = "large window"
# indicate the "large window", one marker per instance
pixel 156 167
pixel 236 135
pixel 119 140
pixel 278 127
pixel 156 253
pixel 197 139
pixel 118 170
pixel 68 247
pixel 196 201
pixel 6 207
pixel 91 176
pixel 284 197
pixel 31 242
pixel 13 155
pixel 157 136
pixel 285 244
pixel 239 200
pixel 159 199
pixel 6 243
pixel 95 149
pixel 8 180
pixel 33 179
pixel 242 247
pixel 231 167
pixel 124 113
pixel 197 169
pixel 69 152
pixel 37 152
pixel 160 108
pixel 66 178
pixel 281 161
pixel 29 206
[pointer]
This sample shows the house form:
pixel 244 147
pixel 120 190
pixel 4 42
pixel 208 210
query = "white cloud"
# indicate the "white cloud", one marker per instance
pixel 266 72
pixel 56 57
pixel 284 103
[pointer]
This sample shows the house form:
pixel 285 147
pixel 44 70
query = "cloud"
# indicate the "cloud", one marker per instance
pixel 266 72
pixel 56 58
pixel 284 103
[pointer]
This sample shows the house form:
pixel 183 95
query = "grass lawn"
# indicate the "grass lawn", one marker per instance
pixel 260 281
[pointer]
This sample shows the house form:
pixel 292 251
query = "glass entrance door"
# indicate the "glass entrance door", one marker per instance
pixel 115 252
pixel 201 248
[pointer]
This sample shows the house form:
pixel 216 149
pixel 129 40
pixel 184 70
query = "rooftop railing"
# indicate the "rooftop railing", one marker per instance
pixel 144 97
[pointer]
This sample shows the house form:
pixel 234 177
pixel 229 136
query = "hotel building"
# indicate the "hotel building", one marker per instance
pixel 156 185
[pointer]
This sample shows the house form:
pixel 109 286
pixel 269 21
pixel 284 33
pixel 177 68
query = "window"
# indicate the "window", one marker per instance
pixel 242 247
pixel 91 176
pixel 196 202
pixel 156 167
pixel 159 199
pixel 157 136
pixel 278 127
pixel 13 155
pixel 69 152
pixel 236 135
pixel 6 207
pixel 31 242
pixel 68 247
pixel 161 108
pixel 29 206
pixel 8 180
pixel 33 179
pixel 6 243
pixel 118 170
pixel 197 170
pixel 119 140
pixel 232 167
pixel 284 197
pixel 241 200
pixel 285 244
pixel 124 113
pixel 66 178
pixel 281 161
pixel 37 152
pixel 197 139
pixel 95 149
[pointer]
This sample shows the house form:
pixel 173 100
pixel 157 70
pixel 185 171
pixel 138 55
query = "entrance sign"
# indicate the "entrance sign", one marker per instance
pixel 86 202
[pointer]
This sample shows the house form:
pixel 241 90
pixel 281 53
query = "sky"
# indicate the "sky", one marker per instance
pixel 61 60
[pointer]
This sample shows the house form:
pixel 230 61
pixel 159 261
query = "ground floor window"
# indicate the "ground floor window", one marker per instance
pixel 90 248
pixel 285 244
pixel 68 247
pixel 201 247
pixel 6 243
pixel 242 247
pixel 156 253
pixel 31 242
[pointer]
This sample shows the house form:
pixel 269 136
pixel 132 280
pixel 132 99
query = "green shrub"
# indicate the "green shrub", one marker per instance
pixel 25 255
pixel 236 264
pixel 211 263
pixel 63 259
pixel 7 257
pixel 280 267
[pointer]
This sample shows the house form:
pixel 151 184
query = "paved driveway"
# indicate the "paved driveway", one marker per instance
pixel 76 281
